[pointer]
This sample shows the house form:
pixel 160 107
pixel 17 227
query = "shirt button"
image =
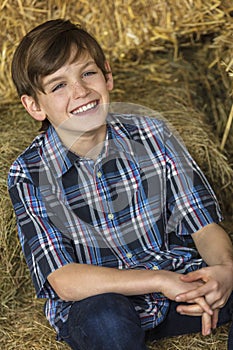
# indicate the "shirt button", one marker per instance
pixel 155 268
pixel 110 216
pixel 99 174
pixel 159 314
pixel 129 255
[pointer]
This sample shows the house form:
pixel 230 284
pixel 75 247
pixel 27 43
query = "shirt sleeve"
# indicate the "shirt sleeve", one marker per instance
pixel 191 202
pixel 45 247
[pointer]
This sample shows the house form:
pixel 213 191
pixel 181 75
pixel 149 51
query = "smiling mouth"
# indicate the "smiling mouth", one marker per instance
pixel 85 108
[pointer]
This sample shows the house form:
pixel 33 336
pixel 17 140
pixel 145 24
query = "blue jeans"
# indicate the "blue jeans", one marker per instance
pixel 110 322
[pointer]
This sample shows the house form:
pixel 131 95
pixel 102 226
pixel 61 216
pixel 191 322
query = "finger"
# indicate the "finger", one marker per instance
pixel 204 305
pixel 193 294
pixel 193 276
pixel 206 324
pixel 218 304
pixel 198 306
pixel 215 318
pixel 189 310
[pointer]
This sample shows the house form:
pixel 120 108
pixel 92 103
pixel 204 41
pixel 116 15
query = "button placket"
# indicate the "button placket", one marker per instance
pixel 100 184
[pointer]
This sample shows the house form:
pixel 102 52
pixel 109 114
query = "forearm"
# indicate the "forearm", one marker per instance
pixel 214 245
pixel 75 282
pixel 79 281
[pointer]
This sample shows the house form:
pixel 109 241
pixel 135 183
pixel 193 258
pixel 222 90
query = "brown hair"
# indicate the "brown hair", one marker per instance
pixel 47 48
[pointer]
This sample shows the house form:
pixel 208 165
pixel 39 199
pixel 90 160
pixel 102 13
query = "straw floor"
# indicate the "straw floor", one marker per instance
pixel 175 57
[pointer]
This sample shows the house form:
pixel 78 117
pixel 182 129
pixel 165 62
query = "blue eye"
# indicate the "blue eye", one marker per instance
pixel 58 86
pixel 88 74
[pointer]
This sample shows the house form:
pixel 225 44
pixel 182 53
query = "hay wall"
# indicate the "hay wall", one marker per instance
pixel 121 26
pixel 174 56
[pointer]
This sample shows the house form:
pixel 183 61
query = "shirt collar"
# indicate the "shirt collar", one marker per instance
pixel 55 154
pixel 119 137
pixel 60 159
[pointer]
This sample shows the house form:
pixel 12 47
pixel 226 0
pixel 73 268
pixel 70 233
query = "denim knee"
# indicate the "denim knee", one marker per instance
pixel 106 321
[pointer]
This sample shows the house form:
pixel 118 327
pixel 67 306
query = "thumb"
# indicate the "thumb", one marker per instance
pixel 192 276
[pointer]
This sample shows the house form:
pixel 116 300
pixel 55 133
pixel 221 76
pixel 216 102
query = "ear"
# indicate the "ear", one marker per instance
pixel 33 108
pixel 108 76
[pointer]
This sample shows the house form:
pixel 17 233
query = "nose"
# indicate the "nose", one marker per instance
pixel 79 89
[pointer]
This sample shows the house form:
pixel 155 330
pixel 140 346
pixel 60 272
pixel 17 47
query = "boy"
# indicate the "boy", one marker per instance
pixel 108 207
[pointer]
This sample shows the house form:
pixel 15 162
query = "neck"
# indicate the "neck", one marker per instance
pixel 88 144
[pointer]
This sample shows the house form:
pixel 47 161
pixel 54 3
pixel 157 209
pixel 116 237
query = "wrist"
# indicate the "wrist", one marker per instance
pixel 162 277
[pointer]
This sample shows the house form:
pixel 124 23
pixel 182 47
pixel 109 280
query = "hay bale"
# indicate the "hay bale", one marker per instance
pixel 13 272
pixel 127 29
pixel 223 48
pixel 119 26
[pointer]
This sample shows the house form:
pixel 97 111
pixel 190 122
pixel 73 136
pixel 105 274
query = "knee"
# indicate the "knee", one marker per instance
pixel 111 312
pixel 111 322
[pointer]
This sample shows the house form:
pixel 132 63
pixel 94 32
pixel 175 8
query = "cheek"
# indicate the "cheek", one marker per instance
pixel 105 93
pixel 56 111
pixel 58 104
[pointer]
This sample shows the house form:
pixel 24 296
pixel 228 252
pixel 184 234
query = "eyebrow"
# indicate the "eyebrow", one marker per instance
pixel 61 77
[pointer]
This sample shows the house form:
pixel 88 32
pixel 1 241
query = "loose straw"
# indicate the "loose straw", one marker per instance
pixel 227 129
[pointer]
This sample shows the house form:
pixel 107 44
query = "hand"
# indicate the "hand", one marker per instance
pixel 217 286
pixel 216 290
pixel 173 285
pixel 194 307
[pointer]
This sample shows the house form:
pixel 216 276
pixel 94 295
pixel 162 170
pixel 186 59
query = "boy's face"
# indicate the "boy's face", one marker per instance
pixel 76 96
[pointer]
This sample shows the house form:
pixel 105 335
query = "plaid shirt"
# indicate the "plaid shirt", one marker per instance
pixel 134 207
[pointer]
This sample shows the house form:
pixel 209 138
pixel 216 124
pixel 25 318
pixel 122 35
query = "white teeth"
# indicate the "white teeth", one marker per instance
pixel 85 108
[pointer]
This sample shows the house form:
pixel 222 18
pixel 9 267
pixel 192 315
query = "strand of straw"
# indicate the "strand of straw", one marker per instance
pixel 227 129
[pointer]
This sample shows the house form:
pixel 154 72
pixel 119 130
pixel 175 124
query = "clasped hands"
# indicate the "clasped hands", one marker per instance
pixel 213 286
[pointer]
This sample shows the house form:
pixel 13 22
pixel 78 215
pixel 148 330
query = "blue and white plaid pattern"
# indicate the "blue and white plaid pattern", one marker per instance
pixel 135 207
